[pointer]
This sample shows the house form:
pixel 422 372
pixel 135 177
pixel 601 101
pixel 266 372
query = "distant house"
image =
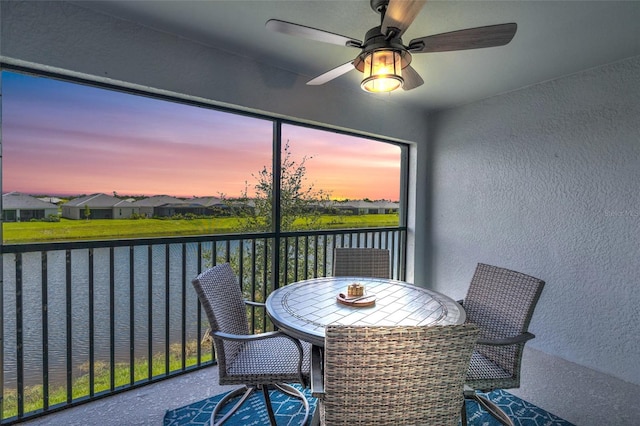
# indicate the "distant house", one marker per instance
pixel 101 206
pixel 18 207
pixel 199 206
pixel 179 208
pixel 52 200
pixel 357 207
pixel 153 206
pixel 213 206
pixel 387 207
pixel 237 205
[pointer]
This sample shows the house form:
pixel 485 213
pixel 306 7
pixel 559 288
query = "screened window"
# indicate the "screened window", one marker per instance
pixel 351 181
pixel 98 155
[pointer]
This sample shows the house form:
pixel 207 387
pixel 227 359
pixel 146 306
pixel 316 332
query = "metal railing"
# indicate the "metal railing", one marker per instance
pixel 84 320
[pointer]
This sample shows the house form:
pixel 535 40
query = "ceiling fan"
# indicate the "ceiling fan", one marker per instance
pixel 384 59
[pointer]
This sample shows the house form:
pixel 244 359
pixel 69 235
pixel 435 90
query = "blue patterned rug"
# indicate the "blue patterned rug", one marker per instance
pixel 290 412
pixel 521 412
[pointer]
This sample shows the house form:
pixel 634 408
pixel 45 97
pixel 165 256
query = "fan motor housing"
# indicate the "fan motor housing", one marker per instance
pixel 375 40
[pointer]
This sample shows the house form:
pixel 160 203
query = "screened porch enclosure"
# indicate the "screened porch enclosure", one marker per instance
pixel 86 320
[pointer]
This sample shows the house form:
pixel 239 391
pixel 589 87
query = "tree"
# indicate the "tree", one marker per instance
pixel 300 203
pixel 87 211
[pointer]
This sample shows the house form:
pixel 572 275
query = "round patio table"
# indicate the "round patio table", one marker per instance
pixel 303 309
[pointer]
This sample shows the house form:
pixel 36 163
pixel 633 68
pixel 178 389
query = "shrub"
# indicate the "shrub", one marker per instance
pixel 52 218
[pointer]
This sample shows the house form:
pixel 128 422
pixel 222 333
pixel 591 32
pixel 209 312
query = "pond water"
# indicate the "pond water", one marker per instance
pixel 164 295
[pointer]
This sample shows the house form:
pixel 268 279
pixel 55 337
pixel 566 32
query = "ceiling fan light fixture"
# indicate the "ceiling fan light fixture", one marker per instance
pixel 382 71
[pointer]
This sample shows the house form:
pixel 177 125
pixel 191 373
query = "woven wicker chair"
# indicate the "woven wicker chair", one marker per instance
pixel 257 361
pixel 501 302
pixel 393 375
pixel 361 262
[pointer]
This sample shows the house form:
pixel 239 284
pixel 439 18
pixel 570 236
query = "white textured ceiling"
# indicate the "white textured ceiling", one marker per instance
pixel 554 38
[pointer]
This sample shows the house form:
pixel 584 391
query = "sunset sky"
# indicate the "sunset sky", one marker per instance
pixel 62 138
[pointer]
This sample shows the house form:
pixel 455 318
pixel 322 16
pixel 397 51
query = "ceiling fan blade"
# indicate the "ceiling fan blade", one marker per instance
pixel 400 14
pixel 470 38
pixel 311 33
pixel 411 78
pixel 331 74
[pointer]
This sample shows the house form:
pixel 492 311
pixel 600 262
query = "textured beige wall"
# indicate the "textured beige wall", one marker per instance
pixel 545 181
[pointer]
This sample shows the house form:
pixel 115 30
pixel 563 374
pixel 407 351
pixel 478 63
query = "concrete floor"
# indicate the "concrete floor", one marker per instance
pixel 577 394
pixel 143 406
pixel 580 395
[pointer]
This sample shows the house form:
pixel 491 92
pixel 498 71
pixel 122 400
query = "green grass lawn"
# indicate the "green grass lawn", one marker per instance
pixel 107 229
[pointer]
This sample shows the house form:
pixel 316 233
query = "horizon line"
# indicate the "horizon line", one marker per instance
pixel 116 195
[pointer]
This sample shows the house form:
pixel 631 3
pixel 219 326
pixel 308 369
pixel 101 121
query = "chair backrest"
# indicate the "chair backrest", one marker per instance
pixel 361 262
pixel 501 302
pixel 395 375
pixel 219 293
